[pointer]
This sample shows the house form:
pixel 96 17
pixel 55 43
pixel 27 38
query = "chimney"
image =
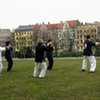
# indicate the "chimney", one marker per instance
pixel 61 21
pixel 48 22
pixel 36 23
pixel 43 23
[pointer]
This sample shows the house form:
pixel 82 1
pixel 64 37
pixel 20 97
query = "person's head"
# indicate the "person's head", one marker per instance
pixel 88 36
pixel 40 41
pixel 7 43
pixel 49 39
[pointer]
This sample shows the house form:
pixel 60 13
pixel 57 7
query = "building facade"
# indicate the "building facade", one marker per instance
pixel 87 29
pixel 5 35
pixel 67 34
pixel 24 37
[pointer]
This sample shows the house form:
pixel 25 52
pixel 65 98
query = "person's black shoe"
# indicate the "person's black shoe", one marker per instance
pixel 83 70
pixel 49 69
pixel 8 70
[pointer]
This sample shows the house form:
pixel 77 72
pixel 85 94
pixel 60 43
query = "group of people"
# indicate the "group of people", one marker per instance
pixel 8 48
pixel 40 57
pixel 48 48
pixel 40 49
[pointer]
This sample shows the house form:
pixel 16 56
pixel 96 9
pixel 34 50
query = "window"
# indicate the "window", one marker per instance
pixel 17 38
pixel 84 31
pixel 87 31
pixel 81 47
pixel 78 48
pixel 80 36
pixel 91 31
pixel 80 31
pixel 78 42
pixel 81 41
pixel 95 35
pixel 95 31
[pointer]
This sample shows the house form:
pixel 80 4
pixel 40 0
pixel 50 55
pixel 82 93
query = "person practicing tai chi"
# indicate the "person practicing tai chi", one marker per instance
pixel 87 54
pixel 8 56
pixel 39 58
pixel 2 49
pixel 49 54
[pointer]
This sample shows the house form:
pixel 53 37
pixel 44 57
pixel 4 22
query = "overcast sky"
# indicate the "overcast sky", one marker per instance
pixel 25 12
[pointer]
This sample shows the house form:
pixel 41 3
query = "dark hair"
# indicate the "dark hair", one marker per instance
pixel 88 36
pixel 49 39
pixel 7 43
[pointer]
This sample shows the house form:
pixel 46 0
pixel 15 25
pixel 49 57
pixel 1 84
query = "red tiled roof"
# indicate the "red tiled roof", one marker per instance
pixel 61 25
pixel 52 26
pixel 95 23
pixel 71 23
pixel 37 27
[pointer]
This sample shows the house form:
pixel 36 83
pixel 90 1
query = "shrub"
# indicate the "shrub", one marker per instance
pixel 73 54
pixel 80 54
pixel 62 54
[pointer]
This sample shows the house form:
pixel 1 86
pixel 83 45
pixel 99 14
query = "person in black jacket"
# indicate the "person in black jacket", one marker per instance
pixel 49 55
pixel 87 54
pixel 39 58
pixel 8 56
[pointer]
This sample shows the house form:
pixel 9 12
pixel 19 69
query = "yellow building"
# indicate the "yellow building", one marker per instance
pixel 81 31
pixel 24 37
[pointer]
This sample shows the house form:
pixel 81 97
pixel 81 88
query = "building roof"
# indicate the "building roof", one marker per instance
pixel 61 25
pixel 72 23
pixel 24 28
pixel 37 27
pixel 52 26
pixel 49 26
pixel 95 24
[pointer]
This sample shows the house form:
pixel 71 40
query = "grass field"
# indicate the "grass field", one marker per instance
pixel 65 82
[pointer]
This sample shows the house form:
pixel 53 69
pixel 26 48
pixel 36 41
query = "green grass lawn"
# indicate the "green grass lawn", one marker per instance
pixel 64 82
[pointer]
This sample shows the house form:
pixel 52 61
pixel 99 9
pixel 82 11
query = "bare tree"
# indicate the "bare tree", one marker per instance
pixel 44 35
pixel 36 36
pixel 11 39
pixel 70 41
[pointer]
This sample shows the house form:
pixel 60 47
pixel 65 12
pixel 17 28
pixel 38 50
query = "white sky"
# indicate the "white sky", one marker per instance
pixel 25 12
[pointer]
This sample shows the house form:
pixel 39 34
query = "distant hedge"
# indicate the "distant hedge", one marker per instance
pixel 68 54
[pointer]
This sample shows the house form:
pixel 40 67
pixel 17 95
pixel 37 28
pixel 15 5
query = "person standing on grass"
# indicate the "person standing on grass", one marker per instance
pixel 39 58
pixel 87 54
pixel 49 55
pixel 2 49
pixel 8 56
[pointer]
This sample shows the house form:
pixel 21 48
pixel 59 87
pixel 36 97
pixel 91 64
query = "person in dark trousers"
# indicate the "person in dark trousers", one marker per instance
pixel 49 55
pixel 87 54
pixel 8 56
pixel 39 58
